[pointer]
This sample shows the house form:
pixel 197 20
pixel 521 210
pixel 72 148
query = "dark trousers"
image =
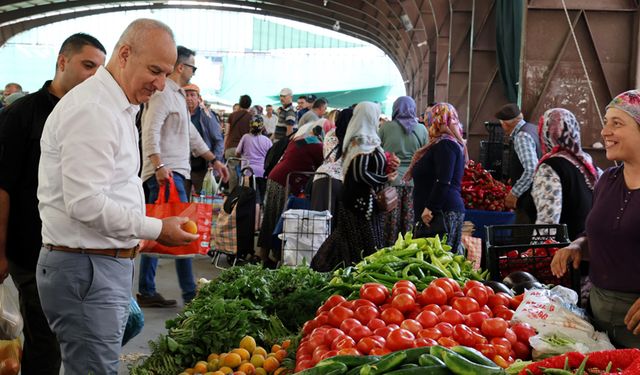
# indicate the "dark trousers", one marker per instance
pixel 41 351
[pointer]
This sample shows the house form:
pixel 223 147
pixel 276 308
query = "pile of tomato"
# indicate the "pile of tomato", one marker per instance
pixel 383 321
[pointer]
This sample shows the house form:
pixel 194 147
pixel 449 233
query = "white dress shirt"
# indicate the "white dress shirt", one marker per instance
pixel 270 122
pixel 167 130
pixel 89 190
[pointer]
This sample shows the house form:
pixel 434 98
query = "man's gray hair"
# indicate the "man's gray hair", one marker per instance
pixel 134 33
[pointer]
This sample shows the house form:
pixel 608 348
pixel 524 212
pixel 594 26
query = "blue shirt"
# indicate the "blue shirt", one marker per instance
pixel 525 147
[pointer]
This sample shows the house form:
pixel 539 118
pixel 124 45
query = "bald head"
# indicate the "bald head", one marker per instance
pixel 143 58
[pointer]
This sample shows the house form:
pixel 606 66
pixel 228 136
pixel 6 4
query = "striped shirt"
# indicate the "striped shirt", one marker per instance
pixel 286 118
pixel 525 148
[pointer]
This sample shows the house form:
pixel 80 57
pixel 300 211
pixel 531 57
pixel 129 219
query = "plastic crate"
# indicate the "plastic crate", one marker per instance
pixel 527 248
pixel 496 134
pixel 482 219
pixel 491 157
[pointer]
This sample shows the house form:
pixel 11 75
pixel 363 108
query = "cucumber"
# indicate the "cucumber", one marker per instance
pixel 350 360
pixel 385 364
pixel 459 365
pixel 430 360
pixel 422 370
pixel 336 368
pixel 473 355
pixel 438 351
pixel 408 365
pixel 414 353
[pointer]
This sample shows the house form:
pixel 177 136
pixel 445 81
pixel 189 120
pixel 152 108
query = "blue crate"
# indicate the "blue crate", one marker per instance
pixel 481 218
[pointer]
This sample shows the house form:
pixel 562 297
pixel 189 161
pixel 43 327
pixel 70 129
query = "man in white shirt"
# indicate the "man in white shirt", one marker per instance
pixel 92 204
pixel 270 121
pixel 168 136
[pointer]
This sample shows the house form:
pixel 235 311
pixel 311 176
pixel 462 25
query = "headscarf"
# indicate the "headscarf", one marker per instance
pixel 445 125
pixel 628 102
pixel 310 133
pixel 361 137
pixel 256 125
pixel 559 133
pixel 404 113
pixel 341 128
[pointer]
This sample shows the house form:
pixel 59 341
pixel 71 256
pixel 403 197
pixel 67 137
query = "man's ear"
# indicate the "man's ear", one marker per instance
pixel 61 62
pixel 124 54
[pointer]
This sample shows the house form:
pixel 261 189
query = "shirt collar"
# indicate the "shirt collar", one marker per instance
pixel 116 92
pixel 518 127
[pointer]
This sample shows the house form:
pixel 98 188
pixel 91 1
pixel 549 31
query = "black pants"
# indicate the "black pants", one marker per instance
pixel 41 352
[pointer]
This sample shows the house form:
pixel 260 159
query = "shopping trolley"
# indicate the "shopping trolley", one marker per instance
pixel 303 230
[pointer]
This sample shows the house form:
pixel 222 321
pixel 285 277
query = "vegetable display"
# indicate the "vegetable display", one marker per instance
pixel 481 191
pixel 419 260
pixel 619 361
pixel 382 321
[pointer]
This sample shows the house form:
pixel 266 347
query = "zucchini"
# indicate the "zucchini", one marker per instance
pixel 350 361
pixel 422 370
pixel 430 360
pixel 385 364
pixel 473 355
pixel 336 368
pixel 414 353
pixel 438 351
pixel 459 365
pixel 408 365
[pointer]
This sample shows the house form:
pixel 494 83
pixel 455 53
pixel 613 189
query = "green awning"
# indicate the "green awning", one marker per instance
pixel 345 98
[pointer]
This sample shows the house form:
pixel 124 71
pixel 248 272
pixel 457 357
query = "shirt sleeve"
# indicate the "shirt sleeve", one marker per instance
pixel 196 143
pixel 369 169
pixel 547 195
pixel 525 148
pixel 153 117
pixel 14 137
pixel 88 169
pixel 444 169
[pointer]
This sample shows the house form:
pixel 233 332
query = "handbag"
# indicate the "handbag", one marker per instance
pixel 200 213
pixel 387 199
pixel 436 226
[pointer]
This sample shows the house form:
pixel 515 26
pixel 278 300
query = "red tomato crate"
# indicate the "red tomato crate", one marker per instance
pixel 530 248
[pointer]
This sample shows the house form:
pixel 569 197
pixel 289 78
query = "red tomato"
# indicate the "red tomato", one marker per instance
pixel 319 352
pixel 304 364
pixel 403 302
pixel 487 349
pixel 502 351
pixel 349 323
pixel 478 337
pixel 487 310
pixel 463 335
pixel 452 316
pixel 349 351
pixel 400 339
pixel 466 305
pixel 511 336
pixel 471 284
pixel 516 301
pixel 403 290
pixel 406 284
pixel 393 326
pixel 365 345
pixel 331 335
pixel 446 308
pixel 494 327
pixel 322 319
pixel 501 341
pixel 333 301
pixel 329 354
pixel 376 323
pixel 503 312
pixel 427 319
pixel 445 328
pixel 383 332
pixel 347 304
pixel 376 293
pixel 357 333
pixel 498 299
pixel 392 316
pixel 447 342
pixel 475 319
pixel 523 331
pixel 433 307
pixel 411 325
pixel 338 314
pixel 454 284
pixel 478 293
pixel 521 350
pixel 379 339
pixel 316 340
pixel 430 333
pixel 413 313
pixel 379 351
pixel 445 285
pixel 365 314
pixel 343 342
pixel 424 341
pixel 434 294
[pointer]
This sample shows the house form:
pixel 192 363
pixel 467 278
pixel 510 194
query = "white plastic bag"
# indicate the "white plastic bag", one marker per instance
pixel 10 318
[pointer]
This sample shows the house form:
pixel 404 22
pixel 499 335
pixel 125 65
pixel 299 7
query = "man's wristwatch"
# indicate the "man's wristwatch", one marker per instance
pixel 160 166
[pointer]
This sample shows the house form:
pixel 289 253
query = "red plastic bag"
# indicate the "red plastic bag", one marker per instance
pixel 200 213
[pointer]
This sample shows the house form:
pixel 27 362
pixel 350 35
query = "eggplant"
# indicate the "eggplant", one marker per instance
pixel 497 286
pixel 519 288
pixel 517 277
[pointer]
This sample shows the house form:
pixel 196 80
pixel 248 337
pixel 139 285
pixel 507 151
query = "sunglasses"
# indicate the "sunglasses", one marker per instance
pixel 192 67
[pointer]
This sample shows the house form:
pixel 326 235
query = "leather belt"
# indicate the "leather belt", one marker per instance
pixel 116 253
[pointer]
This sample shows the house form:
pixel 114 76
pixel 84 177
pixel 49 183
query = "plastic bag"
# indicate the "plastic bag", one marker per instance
pixel 553 313
pixel 134 323
pixel 10 318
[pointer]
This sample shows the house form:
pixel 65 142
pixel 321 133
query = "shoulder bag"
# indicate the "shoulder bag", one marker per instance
pixel 436 226
pixel 387 199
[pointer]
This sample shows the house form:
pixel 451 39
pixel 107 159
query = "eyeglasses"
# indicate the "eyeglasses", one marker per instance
pixel 192 67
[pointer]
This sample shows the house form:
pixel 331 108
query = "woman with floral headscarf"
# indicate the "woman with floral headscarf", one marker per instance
pixel 612 234
pixel 565 176
pixel 364 171
pixel 403 137
pixel 437 170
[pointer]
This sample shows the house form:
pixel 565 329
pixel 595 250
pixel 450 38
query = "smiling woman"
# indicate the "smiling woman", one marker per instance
pixel 611 238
